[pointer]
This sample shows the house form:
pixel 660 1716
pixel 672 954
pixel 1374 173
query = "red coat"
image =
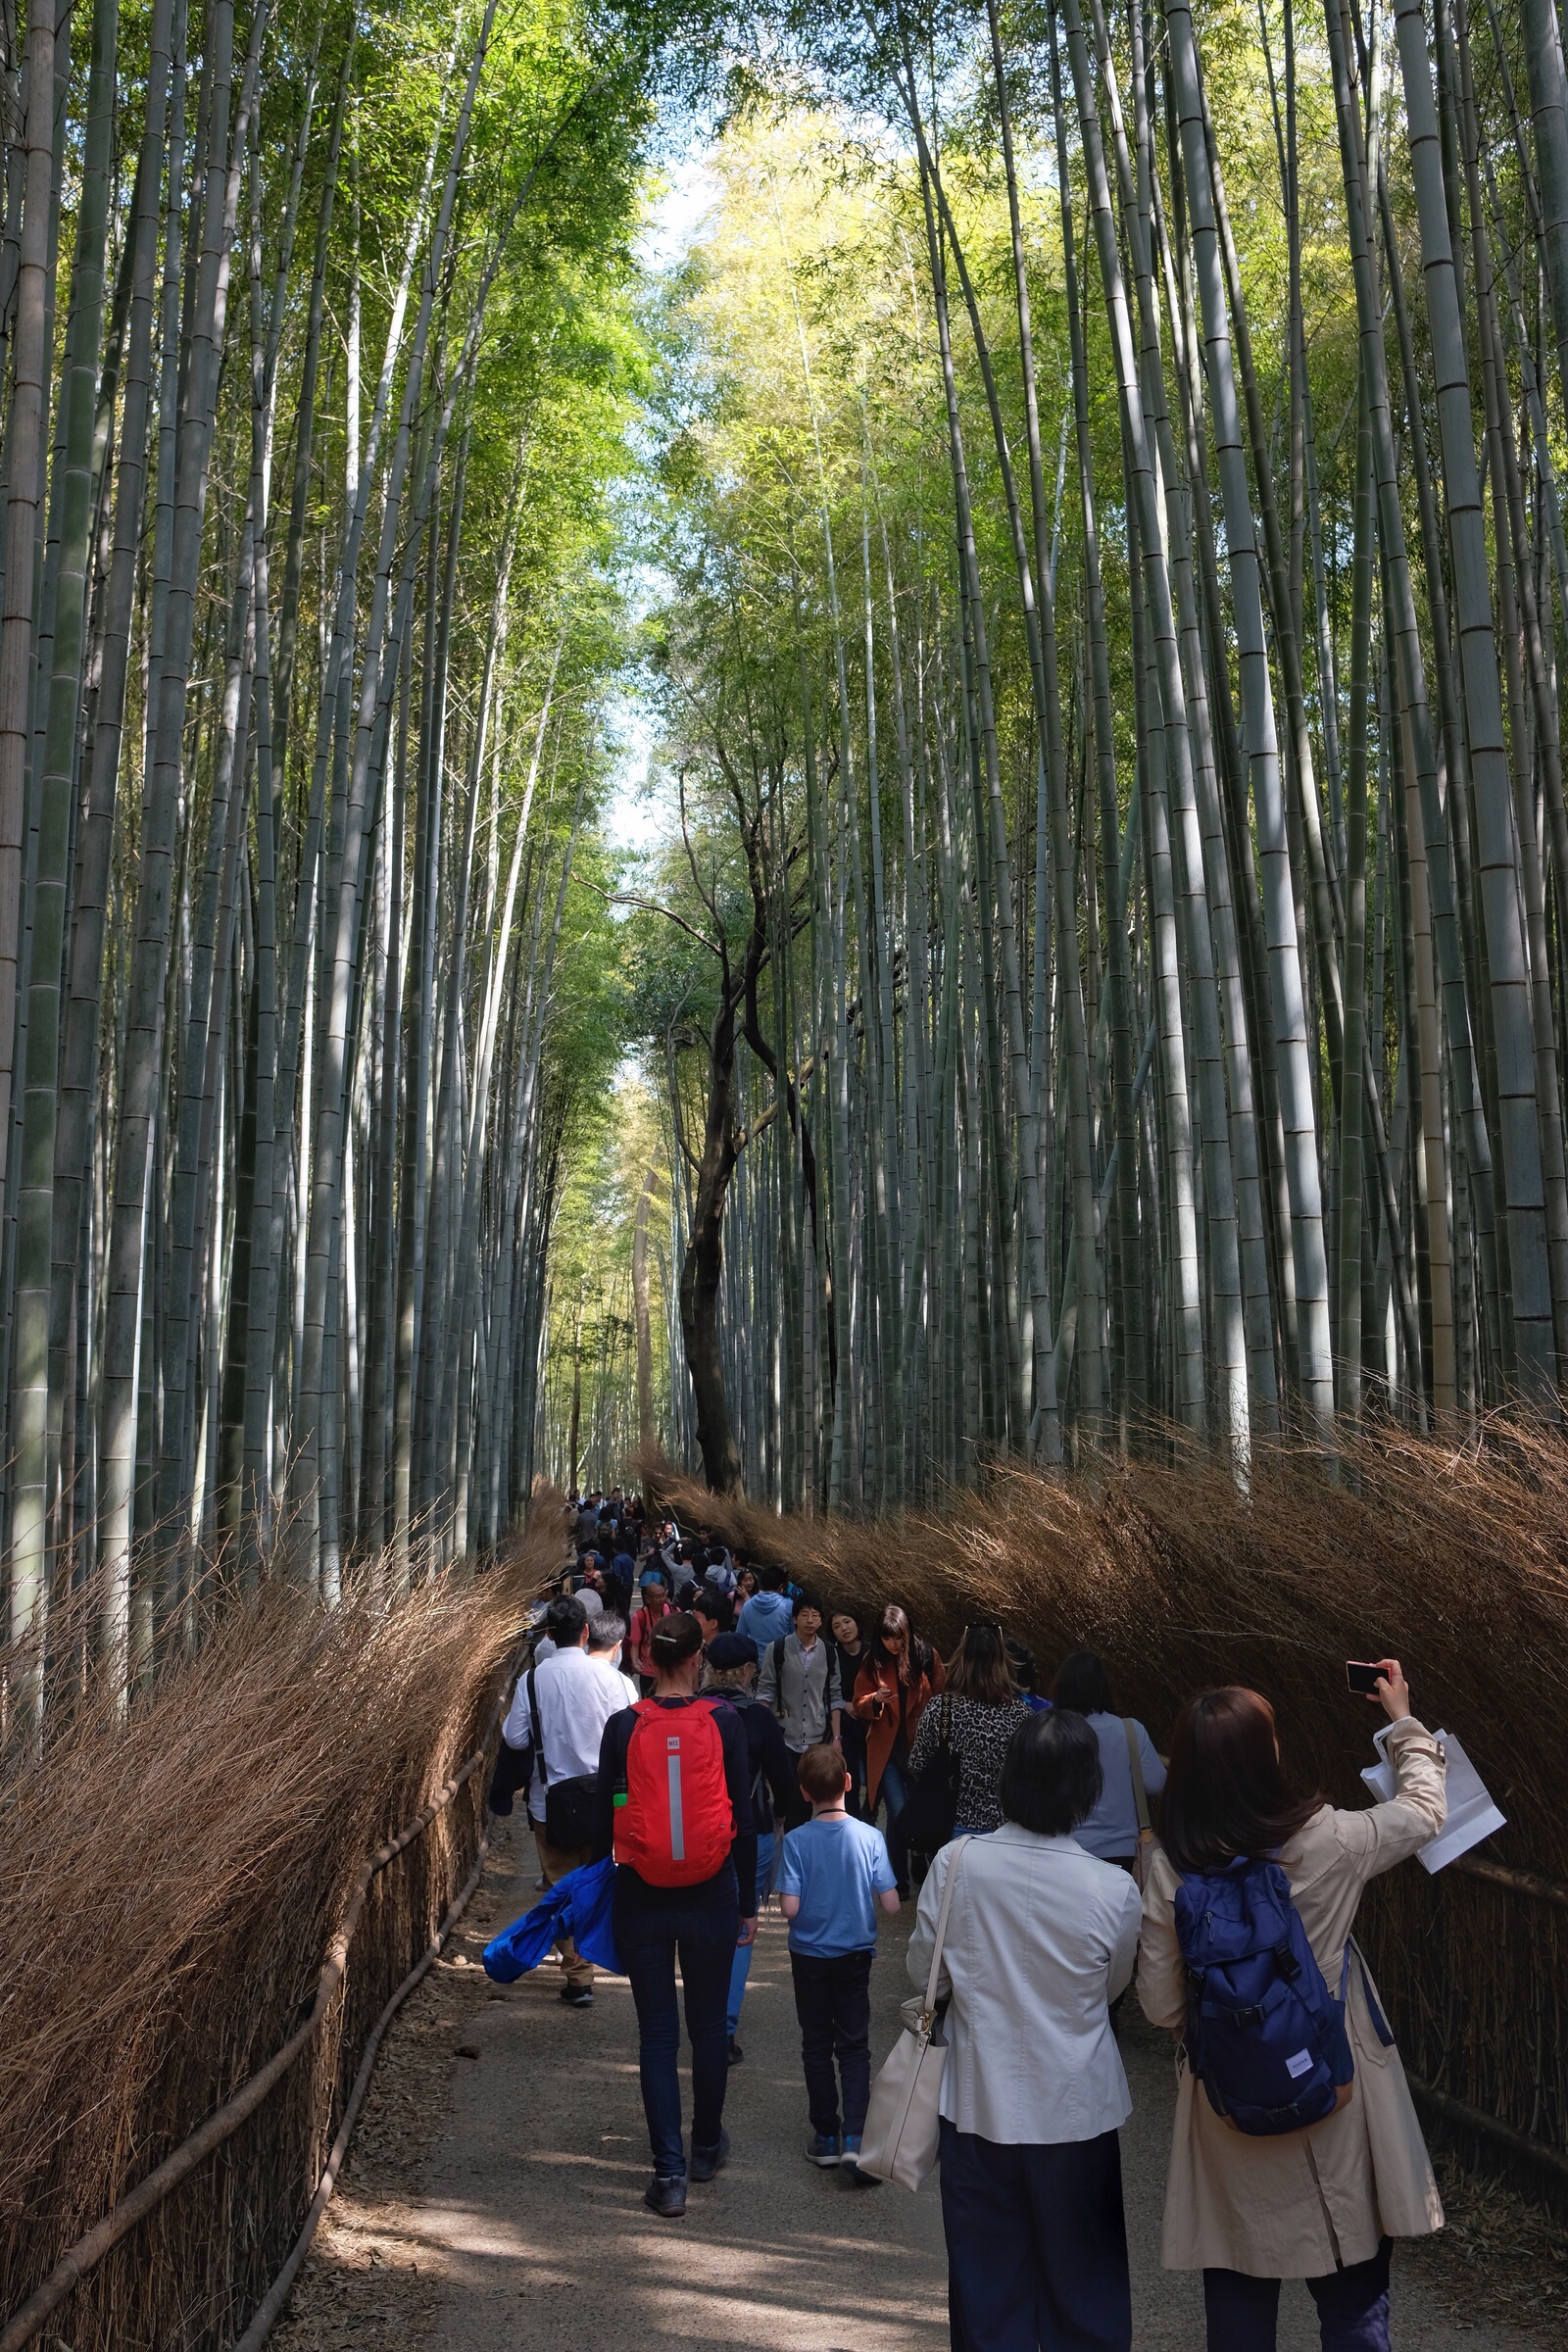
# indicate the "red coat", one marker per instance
pixel 640 1632
pixel 878 1679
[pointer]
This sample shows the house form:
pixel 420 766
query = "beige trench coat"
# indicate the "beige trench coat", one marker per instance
pixel 1299 2206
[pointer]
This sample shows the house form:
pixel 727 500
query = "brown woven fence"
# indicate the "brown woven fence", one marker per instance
pixel 1456 1562
pixel 189 1894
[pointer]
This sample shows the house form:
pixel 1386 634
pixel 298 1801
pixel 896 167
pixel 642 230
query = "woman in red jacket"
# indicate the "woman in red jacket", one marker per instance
pixel 890 1693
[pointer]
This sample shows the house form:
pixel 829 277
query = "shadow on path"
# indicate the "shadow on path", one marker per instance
pixel 530 2206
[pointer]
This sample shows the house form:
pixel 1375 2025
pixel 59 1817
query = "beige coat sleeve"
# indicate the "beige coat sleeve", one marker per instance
pixel 1375 1838
pixel 1161 1972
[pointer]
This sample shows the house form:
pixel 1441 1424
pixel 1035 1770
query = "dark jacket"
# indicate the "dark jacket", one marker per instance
pixel 738 1872
pixel 775 1791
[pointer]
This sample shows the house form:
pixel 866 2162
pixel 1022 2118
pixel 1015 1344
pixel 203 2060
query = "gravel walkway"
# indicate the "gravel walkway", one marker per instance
pixel 497 2203
pixel 532 2197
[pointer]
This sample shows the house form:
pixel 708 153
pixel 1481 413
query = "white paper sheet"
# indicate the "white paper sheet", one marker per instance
pixel 1472 1814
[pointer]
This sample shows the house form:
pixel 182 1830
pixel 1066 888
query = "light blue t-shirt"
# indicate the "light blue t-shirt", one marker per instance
pixel 767 1617
pixel 837 1867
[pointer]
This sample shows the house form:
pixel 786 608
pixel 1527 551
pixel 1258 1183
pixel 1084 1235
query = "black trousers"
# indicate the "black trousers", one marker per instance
pixel 1352 2308
pixel 833 2002
pixel 1037 2245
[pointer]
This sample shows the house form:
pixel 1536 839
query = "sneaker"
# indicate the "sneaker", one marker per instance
pixel 577 1996
pixel 824 2150
pixel 666 2195
pixel 850 2161
pixel 705 2162
pixel 851 2148
pixel 736 2053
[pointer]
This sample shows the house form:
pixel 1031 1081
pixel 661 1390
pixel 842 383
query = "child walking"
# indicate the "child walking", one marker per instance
pixel 834 1870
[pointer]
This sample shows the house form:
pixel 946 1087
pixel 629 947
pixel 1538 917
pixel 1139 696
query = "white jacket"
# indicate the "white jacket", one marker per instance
pixel 1041 1939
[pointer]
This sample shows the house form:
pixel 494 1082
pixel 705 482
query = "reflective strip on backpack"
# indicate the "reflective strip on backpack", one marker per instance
pixel 677 1826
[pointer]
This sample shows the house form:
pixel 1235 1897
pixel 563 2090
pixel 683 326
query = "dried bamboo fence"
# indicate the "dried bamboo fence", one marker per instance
pixel 1455 1561
pixel 206 1914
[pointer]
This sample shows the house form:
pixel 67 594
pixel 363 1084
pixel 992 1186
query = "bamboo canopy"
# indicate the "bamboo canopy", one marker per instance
pixel 1079 518
pixel 1105 974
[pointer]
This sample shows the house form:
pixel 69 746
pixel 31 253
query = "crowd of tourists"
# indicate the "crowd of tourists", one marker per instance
pixel 727 1734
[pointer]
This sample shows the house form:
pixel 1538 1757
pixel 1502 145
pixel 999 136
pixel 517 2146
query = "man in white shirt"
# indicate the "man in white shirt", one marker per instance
pixel 575 1698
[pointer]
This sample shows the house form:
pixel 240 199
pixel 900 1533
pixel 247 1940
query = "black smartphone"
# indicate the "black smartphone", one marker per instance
pixel 1363 1678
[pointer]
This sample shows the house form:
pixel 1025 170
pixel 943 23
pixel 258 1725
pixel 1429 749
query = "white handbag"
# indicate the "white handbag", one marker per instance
pixel 903 2123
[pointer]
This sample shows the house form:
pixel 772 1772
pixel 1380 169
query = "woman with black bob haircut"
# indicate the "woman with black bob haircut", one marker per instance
pixel 1322 2203
pixel 1050 1776
pixel 1041 1939
pixel 1111 1829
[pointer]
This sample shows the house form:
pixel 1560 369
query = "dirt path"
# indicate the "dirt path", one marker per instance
pixel 494 2199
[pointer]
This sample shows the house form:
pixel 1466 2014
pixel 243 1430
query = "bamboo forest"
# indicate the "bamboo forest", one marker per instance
pixel 783 855
pixel 826 740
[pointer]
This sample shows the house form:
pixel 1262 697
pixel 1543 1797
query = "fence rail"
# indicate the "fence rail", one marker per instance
pixel 26 2323
pixel 1520 1882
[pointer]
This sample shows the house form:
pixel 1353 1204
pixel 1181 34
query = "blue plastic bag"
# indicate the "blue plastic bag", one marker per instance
pixel 578 1906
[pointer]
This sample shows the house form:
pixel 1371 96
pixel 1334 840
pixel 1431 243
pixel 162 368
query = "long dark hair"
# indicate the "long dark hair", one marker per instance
pixel 1225 1791
pixel 919 1653
pixel 980 1668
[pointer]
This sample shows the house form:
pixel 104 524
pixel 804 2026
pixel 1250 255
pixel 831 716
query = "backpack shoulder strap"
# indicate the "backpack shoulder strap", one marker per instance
pixel 1380 2024
pixel 536 1726
pixel 1139 1793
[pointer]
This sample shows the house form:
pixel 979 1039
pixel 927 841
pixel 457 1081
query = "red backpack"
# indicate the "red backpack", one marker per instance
pixel 674 1824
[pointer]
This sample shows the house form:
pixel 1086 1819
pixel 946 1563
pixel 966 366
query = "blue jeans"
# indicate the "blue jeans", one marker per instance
pixel 893 1790
pixel 1352 2308
pixel 742 1967
pixel 1037 2245
pixel 648 1939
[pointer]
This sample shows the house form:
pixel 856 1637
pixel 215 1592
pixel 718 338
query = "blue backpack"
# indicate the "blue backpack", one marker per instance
pixel 1264 2035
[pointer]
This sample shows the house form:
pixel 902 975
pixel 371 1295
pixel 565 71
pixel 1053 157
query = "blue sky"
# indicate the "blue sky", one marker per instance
pixel 638 815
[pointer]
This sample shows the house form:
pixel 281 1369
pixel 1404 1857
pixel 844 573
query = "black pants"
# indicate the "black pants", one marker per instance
pixel 833 2002
pixel 649 1939
pixel 1037 2245
pixel 853 1742
pixel 1352 2308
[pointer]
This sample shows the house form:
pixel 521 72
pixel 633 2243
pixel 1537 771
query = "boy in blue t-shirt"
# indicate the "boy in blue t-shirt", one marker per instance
pixel 834 1870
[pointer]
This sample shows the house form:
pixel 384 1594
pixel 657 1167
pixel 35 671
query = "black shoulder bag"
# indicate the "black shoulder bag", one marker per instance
pixel 931 1813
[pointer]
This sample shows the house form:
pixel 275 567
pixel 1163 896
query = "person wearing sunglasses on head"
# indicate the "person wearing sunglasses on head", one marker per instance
pixel 979 1710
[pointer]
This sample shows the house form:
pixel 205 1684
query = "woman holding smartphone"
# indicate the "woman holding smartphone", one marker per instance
pixel 891 1693
pixel 1324 2202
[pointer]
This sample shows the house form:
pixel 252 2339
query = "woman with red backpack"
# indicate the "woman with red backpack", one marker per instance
pixel 1296 2152
pixel 674 1807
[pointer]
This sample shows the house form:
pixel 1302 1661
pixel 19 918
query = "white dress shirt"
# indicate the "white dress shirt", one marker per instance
pixel 576 1700
pixel 603 1662
pixel 1041 1939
